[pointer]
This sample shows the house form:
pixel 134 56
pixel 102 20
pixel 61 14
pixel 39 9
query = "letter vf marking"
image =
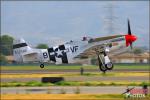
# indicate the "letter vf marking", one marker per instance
pixel 74 49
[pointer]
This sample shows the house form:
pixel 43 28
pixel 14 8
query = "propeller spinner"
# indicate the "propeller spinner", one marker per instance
pixel 129 37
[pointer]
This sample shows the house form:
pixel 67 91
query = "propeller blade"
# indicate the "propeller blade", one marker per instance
pixel 129 30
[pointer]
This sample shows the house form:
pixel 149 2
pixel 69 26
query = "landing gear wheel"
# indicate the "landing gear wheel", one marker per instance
pixel 101 67
pixel 42 65
pixel 109 66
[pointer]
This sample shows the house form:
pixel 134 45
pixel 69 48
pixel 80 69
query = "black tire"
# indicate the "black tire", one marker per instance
pixel 42 65
pixel 109 66
pixel 101 67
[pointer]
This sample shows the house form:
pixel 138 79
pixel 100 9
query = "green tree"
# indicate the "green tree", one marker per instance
pixel 3 59
pixel 42 46
pixel 94 61
pixel 6 44
pixel 137 50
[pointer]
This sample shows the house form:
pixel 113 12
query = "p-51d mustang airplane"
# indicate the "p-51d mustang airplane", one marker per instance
pixel 73 50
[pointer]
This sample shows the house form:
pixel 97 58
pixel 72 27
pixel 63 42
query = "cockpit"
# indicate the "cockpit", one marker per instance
pixel 89 39
pixel 86 39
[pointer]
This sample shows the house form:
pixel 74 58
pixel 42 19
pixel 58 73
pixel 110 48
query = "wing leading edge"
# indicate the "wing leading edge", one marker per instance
pixel 96 43
pixel 104 38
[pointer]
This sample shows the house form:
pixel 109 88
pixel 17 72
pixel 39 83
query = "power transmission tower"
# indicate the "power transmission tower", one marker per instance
pixel 109 19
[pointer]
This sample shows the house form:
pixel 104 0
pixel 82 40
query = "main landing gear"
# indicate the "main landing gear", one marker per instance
pixel 104 62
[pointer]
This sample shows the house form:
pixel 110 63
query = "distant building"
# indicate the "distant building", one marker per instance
pixel 10 59
pixel 84 61
pixel 131 58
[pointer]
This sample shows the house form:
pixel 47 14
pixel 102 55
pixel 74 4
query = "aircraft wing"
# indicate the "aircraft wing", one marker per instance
pixel 96 43
pixel 104 38
pixel 89 52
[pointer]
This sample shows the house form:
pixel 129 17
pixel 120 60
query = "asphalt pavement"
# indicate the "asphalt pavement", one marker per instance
pixel 84 78
pixel 65 89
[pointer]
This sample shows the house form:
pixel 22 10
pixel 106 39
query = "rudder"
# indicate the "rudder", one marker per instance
pixel 19 47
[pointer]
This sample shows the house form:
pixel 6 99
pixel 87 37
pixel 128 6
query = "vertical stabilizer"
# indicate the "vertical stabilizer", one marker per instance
pixel 19 47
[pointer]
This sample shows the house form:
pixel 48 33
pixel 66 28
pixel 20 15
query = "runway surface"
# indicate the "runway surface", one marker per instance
pixel 83 78
pixel 71 89
pixel 75 78
pixel 45 71
pixel 66 89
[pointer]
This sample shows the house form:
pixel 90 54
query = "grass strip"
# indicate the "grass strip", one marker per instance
pixel 69 83
pixel 36 67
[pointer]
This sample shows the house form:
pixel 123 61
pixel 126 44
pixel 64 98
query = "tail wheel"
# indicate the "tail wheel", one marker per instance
pixel 42 65
pixel 109 66
pixel 101 67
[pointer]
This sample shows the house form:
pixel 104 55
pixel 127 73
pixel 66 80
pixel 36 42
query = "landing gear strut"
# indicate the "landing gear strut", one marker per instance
pixel 104 62
pixel 108 63
pixel 101 66
pixel 42 65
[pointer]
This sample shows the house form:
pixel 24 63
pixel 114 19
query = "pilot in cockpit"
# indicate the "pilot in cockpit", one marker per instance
pixel 87 39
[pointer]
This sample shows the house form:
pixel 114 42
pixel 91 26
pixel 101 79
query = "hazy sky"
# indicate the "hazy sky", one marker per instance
pixel 54 22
